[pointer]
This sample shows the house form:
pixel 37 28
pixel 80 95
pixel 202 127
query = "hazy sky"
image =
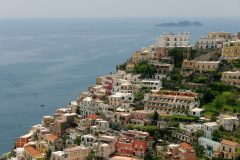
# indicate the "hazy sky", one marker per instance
pixel 119 8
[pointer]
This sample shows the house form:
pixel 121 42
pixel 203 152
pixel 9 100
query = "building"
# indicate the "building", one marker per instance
pixel 188 67
pixel 198 112
pixel 158 53
pixel 77 153
pixel 124 86
pixel 121 118
pixel 229 149
pixel 20 153
pixel 58 155
pixel 171 102
pixel 106 146
pixel 228 122
pixel 205 66
pixel 191 66
pixel 133 143
pixel 208 43
pixel 90 106
pixel 32 153
pixel 231 50
pixel 141 56
pixel 231 78
pixel 186 152
pixel 88 140
pixel 100 126
pixel 151 84
pixel 211 148
pixel 220 35
pixel 173 40
pixel 163 68
pixel 208 129
pixel 117 99
pixel 140 117
pixel 187 132
pixel 23 140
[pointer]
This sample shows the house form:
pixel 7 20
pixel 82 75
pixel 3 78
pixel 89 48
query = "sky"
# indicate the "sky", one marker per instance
pixel 119 8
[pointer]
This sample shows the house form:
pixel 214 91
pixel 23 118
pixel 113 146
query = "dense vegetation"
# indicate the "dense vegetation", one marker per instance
pixel 145 69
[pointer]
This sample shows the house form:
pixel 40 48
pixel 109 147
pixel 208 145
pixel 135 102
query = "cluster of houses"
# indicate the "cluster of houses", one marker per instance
pixel 96 124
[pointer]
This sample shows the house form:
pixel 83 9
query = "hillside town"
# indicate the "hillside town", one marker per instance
pixel 170 101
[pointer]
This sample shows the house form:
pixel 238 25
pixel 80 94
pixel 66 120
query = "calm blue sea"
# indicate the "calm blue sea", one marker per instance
pixel 50 61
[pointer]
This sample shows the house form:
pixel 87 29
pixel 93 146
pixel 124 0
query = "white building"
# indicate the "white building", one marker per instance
pixel 117 99
pixel 208 129
pixel 100 126
pixel 133 78
pixel 208 43
pixel 196 112
pixel 92 106
pixel 59 155
pixel 88 140
pixel 228 122
pixel 151 84
pixel 187 132
pixel 211 148
pixel 173 40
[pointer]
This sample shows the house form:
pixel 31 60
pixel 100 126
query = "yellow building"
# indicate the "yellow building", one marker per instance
pixel 231 78
pixel 143 55
pixel 229 149
pixel 219 35
pixel 231 49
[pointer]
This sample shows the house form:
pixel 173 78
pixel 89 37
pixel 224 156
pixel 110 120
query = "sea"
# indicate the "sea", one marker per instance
pixel 50 61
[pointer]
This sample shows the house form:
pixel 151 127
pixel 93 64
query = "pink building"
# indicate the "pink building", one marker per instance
pixel 134 143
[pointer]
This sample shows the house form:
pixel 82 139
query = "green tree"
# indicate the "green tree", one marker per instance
pixel 145 69
pixel 155 117
pixel 148 156
pixel 77 141
pixel 48 154
pixel 91 156
pixel 177 55
pixel 199 150
pixel 216 135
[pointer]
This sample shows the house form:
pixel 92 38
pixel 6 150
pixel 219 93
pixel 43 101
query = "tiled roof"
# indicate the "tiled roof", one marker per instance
pixel 186 146
pixel 230 143
pixel 92 116
pixel 51 137
pixel 32 151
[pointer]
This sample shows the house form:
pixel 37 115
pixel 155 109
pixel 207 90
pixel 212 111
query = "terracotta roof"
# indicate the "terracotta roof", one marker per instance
pixel 92 116
pixel 51 137
pixel 32 151
pixel 230 143
pixel 186 146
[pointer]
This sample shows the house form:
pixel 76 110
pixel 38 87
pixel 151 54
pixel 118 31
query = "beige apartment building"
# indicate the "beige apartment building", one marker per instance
pixel 219 35
pixel 231 50
pixel 77 153
pixel 229 149
pixel 190 66
pixel 204 66
pixel 231 78
pixel 143 55
pixel 171 102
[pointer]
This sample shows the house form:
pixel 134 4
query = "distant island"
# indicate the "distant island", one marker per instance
pixel 180 24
